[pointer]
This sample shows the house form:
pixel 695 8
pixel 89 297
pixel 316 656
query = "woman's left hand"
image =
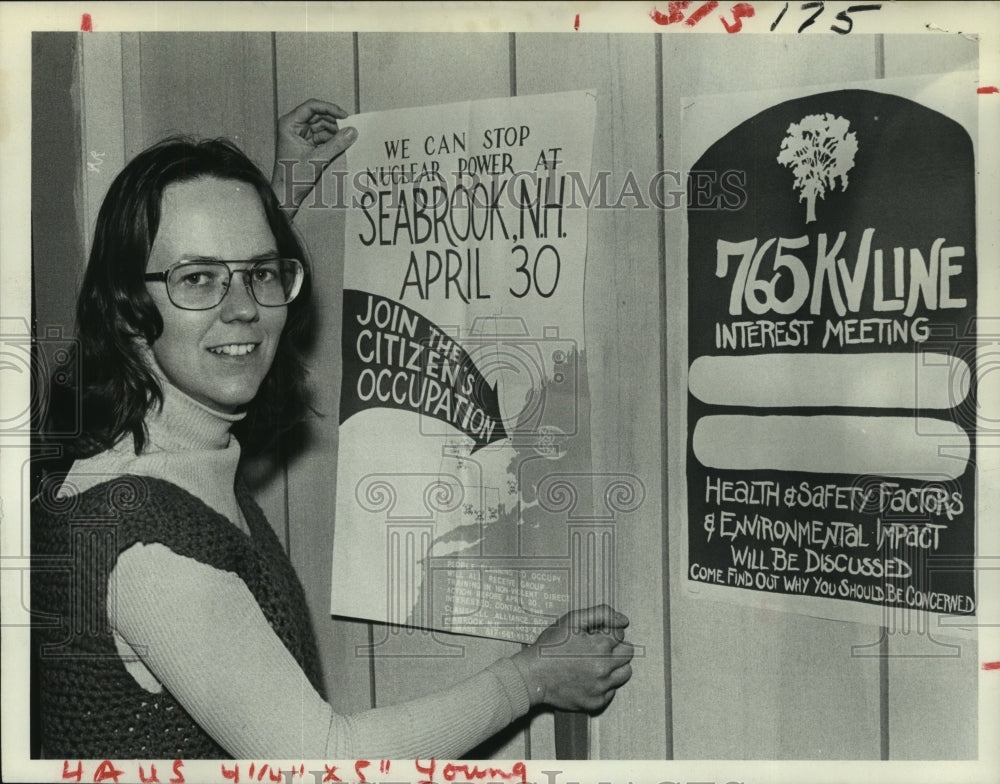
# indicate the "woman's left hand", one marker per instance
pixel 309 138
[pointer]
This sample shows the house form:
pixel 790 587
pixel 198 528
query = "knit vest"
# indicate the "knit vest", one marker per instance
pixel 90 706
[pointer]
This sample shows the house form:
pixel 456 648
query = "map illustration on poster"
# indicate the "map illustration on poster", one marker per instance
pixel 464 383
pixel 832 303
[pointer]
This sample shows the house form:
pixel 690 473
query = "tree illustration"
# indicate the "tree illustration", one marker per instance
pixel 819 149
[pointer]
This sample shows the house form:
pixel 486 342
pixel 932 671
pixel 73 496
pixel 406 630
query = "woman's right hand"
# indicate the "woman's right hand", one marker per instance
pixel 578 663
pixel 310 134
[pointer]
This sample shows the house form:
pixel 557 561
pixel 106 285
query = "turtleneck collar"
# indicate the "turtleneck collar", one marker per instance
pixel 184 423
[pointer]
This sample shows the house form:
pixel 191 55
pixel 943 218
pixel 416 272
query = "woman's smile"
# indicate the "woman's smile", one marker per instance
pixel 234 349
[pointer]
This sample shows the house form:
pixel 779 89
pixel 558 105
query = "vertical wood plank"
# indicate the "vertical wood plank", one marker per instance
pixel 933 696
pixel 397 71
pixel 932 678
pixel 321 65
pixel 59 250
pixel 132 94
pixel 209 84
pixel 401 70
pixel 622 323
pixel 752 683
pixel 103 124
pixel 910 55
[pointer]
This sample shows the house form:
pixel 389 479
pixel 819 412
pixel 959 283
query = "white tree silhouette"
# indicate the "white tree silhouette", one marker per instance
pixel 819 149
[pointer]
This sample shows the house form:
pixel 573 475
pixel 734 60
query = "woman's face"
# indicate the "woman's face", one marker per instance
pixel 219 356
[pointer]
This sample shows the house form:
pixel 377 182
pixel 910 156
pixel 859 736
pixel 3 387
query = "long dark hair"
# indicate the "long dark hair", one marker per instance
pixel 115 312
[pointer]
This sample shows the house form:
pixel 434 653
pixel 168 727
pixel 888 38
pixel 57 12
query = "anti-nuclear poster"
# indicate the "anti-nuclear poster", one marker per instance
pixel 464 381
pixel 831 418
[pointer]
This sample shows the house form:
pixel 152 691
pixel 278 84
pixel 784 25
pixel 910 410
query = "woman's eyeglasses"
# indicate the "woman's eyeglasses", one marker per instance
pixel 201 285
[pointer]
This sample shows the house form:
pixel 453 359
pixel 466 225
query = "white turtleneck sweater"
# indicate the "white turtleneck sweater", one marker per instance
pixel 198 631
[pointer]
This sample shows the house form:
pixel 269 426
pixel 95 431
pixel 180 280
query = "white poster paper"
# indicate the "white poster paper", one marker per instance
pixel 465 254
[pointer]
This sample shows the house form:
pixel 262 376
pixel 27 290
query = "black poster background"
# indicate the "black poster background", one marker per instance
pixel 912 182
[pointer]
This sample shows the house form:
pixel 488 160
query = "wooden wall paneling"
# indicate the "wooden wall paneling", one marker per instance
pixel 751 683
pixel 399 70
pixel 209 84
pixel 622 324
pixel 103 124
pixel 396 71
pixel 321 65
pixel 933 695
pixel 932 677
pixel 58 237
pixel 132 94
pixel 58 257
pixel 910 55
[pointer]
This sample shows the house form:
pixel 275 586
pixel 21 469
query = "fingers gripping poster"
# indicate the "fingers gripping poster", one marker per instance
pixel 464 372
pixel 832 351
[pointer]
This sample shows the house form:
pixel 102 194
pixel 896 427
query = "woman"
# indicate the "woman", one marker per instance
pixel 188 630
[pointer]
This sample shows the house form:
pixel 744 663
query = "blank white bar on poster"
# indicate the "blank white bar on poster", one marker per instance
pixel 912 447
pixel 918 380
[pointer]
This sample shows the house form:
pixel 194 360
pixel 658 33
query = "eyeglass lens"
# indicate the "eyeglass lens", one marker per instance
pixel 203 284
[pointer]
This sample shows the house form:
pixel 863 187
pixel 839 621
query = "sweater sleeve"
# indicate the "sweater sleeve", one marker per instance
pixel 202 635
